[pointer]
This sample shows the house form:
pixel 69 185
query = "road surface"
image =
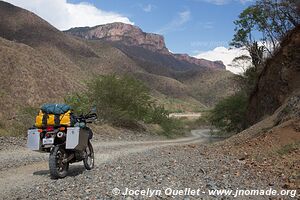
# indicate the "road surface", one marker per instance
pixel 22 168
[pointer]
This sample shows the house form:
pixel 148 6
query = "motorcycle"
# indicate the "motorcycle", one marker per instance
pixel 66 145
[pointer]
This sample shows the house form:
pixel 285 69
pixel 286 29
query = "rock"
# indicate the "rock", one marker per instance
pixel 87 191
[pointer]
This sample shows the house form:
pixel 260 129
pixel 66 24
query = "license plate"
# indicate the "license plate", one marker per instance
pixel 48 140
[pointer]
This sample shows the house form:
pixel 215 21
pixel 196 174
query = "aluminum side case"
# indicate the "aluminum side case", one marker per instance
pixel 77 138
pixel 34 140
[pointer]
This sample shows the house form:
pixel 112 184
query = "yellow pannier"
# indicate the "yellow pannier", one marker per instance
pixel 44 119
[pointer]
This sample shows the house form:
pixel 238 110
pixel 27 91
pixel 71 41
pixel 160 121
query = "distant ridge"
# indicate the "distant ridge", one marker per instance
pixel 131 35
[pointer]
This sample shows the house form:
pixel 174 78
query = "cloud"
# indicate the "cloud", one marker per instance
pixel 184 17
pixel 225 55
pixel 181 18
pixel 148 8
pixel 64 15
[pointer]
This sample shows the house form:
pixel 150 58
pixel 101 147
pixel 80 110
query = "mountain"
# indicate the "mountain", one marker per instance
pixel 133 36
pixel 204 80
pixel 39 64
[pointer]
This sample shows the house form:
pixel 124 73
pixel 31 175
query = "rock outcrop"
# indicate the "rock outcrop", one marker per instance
pixel 130 35
pixel 279 80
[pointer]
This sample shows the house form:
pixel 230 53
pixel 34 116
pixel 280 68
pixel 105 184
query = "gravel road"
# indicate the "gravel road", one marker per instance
pixel 21 169
pixel 178 164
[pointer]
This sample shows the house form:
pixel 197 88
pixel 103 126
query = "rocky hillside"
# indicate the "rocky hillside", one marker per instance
pixel 130 35
pixel 39 64
pixel 272 143
pixel 279 81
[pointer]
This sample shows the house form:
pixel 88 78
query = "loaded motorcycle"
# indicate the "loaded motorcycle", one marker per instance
pixel 65 136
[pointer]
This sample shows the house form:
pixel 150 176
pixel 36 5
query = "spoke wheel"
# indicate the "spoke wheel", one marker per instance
pixel 88 161
pixel 58 168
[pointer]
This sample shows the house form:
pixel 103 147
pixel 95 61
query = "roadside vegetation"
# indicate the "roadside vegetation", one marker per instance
pixel 120 101
pixel 18 124
pixel 259 29
pixel 125 102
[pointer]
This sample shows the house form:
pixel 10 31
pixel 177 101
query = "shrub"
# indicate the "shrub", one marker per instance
pixel 157 114
pixel 172 127
pixel 229 113
pixel 120 99
pixel 79 102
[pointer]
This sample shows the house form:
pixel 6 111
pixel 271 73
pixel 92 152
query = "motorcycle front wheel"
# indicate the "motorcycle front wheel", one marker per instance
pixel 88 161
pixel 58 168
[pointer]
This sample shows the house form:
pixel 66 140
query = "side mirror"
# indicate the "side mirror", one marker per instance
pixel 94 110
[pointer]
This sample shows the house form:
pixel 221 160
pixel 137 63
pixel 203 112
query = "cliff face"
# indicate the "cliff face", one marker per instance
pixel 133 36
pixel 279 81
pixel 128 34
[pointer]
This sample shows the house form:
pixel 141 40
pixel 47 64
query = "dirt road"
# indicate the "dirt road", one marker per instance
pixel 22 168
pixel 186 115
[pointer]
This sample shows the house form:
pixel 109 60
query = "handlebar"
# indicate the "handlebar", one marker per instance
pixel 88 118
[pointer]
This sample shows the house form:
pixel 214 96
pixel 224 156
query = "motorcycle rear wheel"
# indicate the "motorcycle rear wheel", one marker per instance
pixel 88 161
pixel 58 169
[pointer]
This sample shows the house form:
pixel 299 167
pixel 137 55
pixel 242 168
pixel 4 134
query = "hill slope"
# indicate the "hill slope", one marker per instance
pixel 204 80
pixel 42 64
pixel 135 43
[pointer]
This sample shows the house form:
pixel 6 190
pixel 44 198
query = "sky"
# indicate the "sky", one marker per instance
pixel 200 28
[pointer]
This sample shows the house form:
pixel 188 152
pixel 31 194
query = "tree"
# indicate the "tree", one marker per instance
pixel 247 79
pixel 266 21
pixel 259 29
pixel 241 62
pixel 256 53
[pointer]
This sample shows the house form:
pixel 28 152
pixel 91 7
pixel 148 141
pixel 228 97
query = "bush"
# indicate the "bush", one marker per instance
pixel 229 114
pixel 172 127
pixel 122 101
pixel 157 114
pixel 79 102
